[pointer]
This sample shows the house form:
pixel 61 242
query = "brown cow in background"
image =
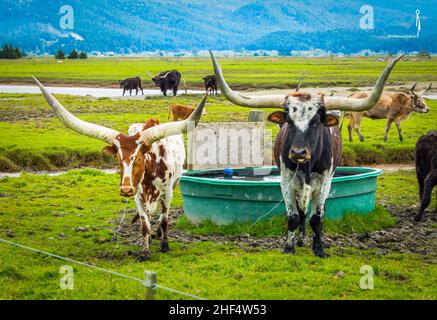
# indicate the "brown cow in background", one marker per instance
pixel 181 112
pixel 394 106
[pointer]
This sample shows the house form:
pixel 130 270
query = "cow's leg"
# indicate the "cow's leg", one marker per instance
pixel 350 126
pixel 163 220
pixel 130 91
pixel 145 227
pixel 430 182
pixel 175 91
pixel 136 93
pixel 357 126
pixel 398 126
pixel 420 181
pixel 387 128
pixel 291 208
pixel 302 229
pixel 164 92
pixel 142 92
pixel 124 90
pixel 318 212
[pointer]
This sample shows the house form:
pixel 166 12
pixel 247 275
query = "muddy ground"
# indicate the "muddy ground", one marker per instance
pixel 406 236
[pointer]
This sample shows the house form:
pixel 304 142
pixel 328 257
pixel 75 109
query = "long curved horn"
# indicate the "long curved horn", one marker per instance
pixel 351 104
pixel 421 93
pixel 80 126
pixel 268 101
pixel 302 78
pixel 161 131
pixel 150 75
pixel 165 75
pixel 413 87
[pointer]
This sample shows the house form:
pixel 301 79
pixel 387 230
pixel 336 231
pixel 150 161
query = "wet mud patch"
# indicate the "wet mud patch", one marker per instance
pixel 406 236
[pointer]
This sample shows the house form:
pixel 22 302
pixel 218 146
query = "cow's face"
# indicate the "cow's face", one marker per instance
pixel 157 80
pixel 130 152
pixel 419 103
pixel 305 118
pixel 121 82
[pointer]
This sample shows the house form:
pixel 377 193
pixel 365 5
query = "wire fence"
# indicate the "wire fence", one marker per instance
pixel 149 282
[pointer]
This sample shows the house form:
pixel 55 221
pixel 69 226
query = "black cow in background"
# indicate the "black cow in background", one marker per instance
pixel 130 84
pixel 426 169
pixel 210 83
pixel 168 80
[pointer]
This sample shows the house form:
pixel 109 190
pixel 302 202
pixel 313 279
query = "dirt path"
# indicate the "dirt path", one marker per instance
pixel 406 236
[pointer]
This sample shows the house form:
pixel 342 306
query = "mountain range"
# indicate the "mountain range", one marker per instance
pixel 123 26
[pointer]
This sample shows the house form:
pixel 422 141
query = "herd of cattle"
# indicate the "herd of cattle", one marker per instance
pixel 307 149
pixel 167 80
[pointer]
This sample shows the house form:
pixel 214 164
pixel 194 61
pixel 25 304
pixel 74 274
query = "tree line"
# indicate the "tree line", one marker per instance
pixel 11 52
pixel 60 55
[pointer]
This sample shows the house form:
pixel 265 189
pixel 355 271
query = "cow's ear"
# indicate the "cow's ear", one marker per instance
pixel 110 150
pixel 277 117
pixel 331 120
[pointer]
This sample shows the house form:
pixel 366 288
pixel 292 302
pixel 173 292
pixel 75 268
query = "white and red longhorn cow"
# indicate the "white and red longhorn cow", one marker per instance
pixel 151 158
pixel 307 148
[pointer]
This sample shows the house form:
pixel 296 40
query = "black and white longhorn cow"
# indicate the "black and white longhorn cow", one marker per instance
pixel 308 142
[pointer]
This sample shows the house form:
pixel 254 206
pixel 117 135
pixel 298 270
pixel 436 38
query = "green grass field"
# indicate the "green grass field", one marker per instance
pixel 73 214
pixel 45 213
pixel 260 72
pixel 32 141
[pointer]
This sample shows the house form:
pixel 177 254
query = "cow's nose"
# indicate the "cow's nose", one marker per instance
pixel 299 154
pixel 127 191
pixel 426 110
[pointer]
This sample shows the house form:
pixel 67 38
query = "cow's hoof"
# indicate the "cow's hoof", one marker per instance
pixel 143 256
pixel 289 249
pixel 320 253
pixel 318 248
pixel 165 247
pixel 300 242
pixel 418 218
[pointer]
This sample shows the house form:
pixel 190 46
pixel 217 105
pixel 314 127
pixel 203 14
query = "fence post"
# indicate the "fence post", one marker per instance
pixel 150 284
pixel 185 87
pixel 256 116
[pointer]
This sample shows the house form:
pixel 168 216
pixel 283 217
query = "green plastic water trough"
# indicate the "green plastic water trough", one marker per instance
pixel 255 193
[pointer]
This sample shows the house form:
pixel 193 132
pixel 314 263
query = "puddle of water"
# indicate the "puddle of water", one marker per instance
pixel 95 92
pixel 431 97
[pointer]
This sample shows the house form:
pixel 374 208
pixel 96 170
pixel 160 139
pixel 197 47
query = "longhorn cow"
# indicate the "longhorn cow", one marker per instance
pixel 393 106
pixel 307 148
pixel 150 157
pixel 168 80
